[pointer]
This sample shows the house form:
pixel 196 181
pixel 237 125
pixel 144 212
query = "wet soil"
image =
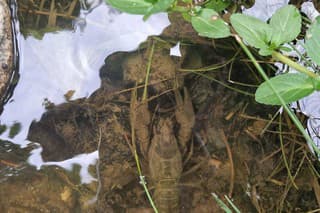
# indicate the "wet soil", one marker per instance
pixel 234 150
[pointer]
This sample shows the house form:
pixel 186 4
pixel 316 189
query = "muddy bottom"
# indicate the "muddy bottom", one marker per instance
pixel 225 143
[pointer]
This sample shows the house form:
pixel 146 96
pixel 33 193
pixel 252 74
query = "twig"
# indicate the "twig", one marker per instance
pixel 316 188
pixel 38 16
pixel 8 163
pixel 224 84
pixel 273 153
pixel 224 139
pixel 38 12
pixel 71 8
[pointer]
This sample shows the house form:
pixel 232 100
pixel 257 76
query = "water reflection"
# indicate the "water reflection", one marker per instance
pixel 40 16
pixel 67 60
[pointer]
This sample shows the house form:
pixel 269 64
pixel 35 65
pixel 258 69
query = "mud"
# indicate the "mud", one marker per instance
pixel 234 150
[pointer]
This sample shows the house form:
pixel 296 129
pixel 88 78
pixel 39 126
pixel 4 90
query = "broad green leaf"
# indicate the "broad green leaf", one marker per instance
pixel 285 49
pixel 131 6
pixel 253 31
pixel 316 83
pixel 159 6
pixel 265 51
pixel 312 44
pixel 208 23
pixel 291 87
pixel 286 25
pixel 218 5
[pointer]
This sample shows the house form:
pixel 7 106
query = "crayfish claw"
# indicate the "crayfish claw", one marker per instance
pixel 140 123
pixel 185 116
pixel 184 113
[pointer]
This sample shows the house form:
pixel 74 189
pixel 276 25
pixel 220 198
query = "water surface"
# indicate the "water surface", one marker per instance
pixel 69 60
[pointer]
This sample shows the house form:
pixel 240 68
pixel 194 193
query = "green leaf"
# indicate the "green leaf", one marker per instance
pixel 131 6
pixel 208 23
pixel 218 5
pixel 265 51
pixel 316 83
pixel 291 87
pixel 254 31
pixel 286 25
pixel 312 44
pixel 186 16
pixel 285 49
pixel 159 6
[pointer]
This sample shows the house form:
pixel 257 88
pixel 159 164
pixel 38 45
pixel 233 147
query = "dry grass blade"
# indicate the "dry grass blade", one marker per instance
pixel 316 189
pixel 284 155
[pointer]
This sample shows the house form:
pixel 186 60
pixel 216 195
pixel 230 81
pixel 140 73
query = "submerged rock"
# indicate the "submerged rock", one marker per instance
pixel 26 189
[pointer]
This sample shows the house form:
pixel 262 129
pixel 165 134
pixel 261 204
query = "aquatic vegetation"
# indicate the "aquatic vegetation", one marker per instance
pixel 269 38
pixel 213 137
pixel 14 129
pixel 257 38
pixel 3 128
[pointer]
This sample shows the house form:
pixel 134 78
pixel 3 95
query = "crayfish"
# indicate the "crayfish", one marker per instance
pixel 164 150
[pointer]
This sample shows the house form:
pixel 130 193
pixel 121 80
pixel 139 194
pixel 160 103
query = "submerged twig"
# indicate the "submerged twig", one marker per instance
pixel 8 163
pixel 225 140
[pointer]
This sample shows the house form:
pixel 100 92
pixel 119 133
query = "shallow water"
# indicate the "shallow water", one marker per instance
pixel 70 60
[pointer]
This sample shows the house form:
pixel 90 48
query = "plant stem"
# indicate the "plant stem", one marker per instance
pixel 284 105
pixel 144 96
pixel 222 205
pixel 180 9
pixel 284 59
pixel 143 182
pixel 232 204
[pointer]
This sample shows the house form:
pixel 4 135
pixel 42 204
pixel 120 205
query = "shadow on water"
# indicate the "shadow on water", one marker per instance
pixel 78 103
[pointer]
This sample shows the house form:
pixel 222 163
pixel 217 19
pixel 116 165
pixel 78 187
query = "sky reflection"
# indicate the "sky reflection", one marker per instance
pixel 67 60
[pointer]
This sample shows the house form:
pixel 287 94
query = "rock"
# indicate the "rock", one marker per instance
pixel 6 51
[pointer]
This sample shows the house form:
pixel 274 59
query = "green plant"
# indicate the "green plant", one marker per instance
pixel 283 27
pixel 14 129
pixel 3 128
pixel 224 206
pixel 268 38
